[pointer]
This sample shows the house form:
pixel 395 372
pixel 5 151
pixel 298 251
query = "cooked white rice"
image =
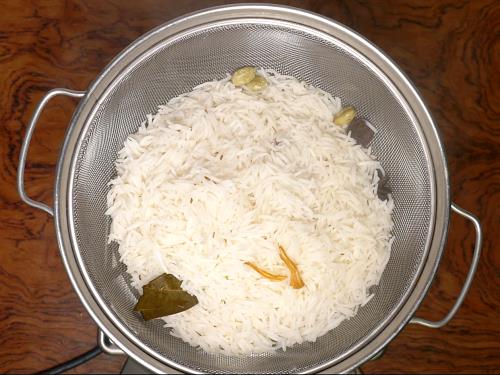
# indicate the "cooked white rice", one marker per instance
pixel 221 176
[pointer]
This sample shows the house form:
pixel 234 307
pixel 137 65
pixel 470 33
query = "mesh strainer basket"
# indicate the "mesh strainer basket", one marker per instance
pixel 199 47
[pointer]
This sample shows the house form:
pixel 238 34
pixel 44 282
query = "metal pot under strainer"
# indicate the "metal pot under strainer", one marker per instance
pixel 199 47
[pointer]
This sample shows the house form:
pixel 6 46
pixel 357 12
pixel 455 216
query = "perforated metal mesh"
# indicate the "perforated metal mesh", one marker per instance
pixel 174 68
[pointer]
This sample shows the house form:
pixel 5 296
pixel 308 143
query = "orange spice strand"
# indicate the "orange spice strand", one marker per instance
pixel 296 281
pixel 267 275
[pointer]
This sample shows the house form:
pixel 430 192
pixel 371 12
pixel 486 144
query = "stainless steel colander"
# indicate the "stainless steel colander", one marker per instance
pixel 171 60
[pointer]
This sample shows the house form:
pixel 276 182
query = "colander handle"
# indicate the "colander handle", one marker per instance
pixel 468 279
pixel 26 142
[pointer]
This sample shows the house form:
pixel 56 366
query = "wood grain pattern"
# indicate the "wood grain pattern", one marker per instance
pixel 449 48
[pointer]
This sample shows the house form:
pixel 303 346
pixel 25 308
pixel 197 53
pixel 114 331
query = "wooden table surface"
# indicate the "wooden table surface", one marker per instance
pixel 449 48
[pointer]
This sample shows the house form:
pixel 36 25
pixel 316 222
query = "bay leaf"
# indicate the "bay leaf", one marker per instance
pixel 164 296
pixel 361 131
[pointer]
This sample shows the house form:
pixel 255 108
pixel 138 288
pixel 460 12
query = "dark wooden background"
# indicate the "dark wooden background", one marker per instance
pixel 449 48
